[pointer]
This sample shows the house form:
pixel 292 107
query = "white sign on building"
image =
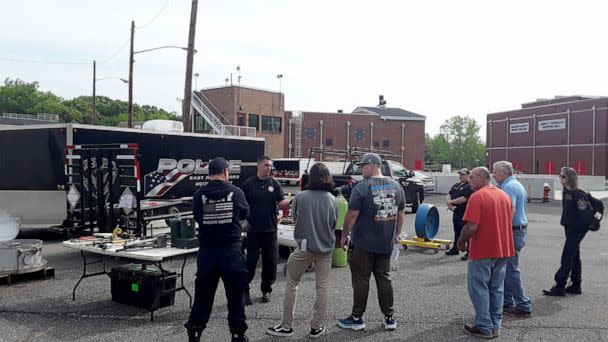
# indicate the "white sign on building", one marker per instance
pixel 550 125
pixel 519 127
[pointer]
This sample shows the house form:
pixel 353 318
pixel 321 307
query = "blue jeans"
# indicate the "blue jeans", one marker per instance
pixel 514 292
pixel 486 279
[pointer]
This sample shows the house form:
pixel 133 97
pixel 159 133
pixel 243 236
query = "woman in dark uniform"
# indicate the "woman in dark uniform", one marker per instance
pixel 574 202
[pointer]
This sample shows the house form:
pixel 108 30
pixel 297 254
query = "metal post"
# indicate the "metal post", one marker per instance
pixel 568 142
pixel 94 118
pixel 593 148
pixel 130 108
pixel 189 60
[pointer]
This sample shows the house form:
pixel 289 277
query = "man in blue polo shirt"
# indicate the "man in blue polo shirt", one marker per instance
pixel 516 303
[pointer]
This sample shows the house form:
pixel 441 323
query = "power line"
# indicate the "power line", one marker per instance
pixel 154 18
pixel 116 53
pixel 19 60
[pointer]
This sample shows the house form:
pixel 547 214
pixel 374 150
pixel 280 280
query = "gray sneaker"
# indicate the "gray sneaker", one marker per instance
pixel 516 312
pixel 390 323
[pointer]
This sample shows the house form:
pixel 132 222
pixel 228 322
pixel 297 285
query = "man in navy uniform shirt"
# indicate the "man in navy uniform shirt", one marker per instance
pixel 218 208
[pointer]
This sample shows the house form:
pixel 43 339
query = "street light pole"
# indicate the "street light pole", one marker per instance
pixel 186 115
pixel 130 108
pixel 94 118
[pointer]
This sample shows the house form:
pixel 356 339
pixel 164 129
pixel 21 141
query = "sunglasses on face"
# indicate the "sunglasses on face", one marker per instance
pixel 562 176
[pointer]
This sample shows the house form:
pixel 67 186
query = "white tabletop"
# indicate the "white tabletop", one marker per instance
pixel 148 254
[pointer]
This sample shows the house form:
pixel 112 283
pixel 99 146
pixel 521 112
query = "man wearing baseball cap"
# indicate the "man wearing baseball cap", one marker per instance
pixel 218 208
pixel 375 216
pixel 457 202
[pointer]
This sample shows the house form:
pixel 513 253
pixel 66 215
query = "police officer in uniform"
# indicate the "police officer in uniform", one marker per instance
pixel 457 202
pixel 218 208
pixel 263 193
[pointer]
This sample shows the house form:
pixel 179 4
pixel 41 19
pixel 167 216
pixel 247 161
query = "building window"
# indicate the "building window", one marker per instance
pixel 310 133
pixel 329 142
pixel 359 134
pixel 385 143
pixel 240 119
pixel 271 124
pixel 376 143
pixel 254 121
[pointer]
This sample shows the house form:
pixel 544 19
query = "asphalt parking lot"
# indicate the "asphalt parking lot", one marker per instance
pixel 432 302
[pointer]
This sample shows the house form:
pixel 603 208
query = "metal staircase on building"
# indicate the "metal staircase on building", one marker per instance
pixel 218 123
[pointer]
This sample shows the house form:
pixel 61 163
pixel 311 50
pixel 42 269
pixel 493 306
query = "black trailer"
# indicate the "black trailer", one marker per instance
pixel 35 180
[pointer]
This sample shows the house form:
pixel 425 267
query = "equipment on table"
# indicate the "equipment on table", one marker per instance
pixel 183 233
pixel 427 226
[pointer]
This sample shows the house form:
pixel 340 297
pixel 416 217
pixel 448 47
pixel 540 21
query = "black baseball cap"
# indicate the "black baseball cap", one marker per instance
pixel 217 165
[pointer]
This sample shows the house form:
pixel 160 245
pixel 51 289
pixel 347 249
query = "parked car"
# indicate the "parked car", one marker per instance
pixel 429 183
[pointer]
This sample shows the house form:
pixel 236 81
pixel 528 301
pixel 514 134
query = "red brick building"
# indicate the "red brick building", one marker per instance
pixel 249 107
pixel 545 135
pixel 380 128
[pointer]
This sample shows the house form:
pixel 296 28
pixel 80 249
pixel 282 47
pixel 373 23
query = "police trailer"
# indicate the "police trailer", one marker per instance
pixel 84 177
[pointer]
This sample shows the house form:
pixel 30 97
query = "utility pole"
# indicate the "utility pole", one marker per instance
pixel 130 108
pixel 186 115
pixel 94 118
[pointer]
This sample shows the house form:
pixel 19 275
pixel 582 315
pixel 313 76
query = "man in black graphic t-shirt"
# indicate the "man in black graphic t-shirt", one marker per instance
pixel 218 208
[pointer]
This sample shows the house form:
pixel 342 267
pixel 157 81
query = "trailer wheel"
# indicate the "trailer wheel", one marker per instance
pixel 172 210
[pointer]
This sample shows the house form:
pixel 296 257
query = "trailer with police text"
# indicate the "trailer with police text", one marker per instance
pixel 41 189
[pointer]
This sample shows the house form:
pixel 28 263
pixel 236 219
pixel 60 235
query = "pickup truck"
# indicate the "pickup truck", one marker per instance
pixel 412 185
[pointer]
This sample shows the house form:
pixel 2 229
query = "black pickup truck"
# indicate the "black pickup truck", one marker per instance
pixel 412 186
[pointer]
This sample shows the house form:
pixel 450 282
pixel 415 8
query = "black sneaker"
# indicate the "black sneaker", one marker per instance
pixel 314 333
pixel 248 299
pixel 452 252
pixel 265 297
pixel 351 322
pixel 465 257
pixel 574 289
pixel 516 312
pixel 278 330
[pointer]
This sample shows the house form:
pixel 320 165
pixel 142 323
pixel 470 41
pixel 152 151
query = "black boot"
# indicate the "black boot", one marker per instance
pixel 194 334
pixel 247 298
pixel 240 337
pixel 555 291
pixel 574 288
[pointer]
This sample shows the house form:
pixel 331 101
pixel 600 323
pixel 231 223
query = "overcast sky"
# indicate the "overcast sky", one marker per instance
pixel 435 58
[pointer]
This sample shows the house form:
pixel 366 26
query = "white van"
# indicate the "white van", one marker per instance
pixel 163 126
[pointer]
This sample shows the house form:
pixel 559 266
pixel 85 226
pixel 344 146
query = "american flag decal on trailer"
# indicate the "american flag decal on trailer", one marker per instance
pixel 157 184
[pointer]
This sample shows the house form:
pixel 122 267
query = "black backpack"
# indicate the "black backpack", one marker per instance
pixel 597 208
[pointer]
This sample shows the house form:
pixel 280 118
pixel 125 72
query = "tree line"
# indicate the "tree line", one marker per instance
pixel 17 96
pixel 458 143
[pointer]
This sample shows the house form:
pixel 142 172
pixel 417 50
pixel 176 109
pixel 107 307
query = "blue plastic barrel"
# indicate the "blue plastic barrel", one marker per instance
pixel 427 221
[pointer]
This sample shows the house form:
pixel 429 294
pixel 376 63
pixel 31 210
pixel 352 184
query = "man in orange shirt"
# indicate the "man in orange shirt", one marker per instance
pixel 488 237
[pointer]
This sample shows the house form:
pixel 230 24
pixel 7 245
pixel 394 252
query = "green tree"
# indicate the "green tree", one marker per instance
pixel 17 96
pixel 458 144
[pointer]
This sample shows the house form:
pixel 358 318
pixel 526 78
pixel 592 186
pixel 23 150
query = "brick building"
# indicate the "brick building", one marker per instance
pixel 248 107
pixel 381 128
pixel 547 134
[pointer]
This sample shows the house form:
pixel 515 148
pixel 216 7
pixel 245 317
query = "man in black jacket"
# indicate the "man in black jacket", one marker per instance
pixel 218 208
pixel 263 194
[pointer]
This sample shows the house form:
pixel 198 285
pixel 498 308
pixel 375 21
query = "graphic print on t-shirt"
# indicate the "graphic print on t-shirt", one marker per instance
pixel 218 211
pixel 385 199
